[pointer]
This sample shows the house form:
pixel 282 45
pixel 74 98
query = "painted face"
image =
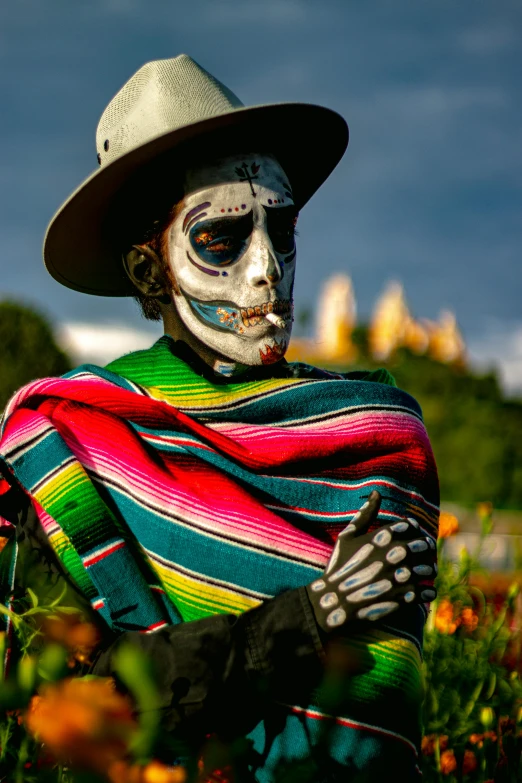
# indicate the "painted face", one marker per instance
pixel 232 252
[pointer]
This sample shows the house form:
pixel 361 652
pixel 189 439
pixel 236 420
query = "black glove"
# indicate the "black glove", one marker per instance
pixel 370 575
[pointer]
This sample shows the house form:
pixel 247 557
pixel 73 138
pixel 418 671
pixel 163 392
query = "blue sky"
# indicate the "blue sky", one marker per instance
pixel 429 192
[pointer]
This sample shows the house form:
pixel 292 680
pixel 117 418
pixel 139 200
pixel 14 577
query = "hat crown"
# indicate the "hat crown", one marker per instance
pixel 163 95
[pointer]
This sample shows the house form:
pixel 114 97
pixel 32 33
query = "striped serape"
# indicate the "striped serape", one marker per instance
pixel 169 497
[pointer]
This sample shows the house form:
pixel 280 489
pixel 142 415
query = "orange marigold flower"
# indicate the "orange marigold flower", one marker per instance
pixel 428 744
pixel 468 618
pixel 469 763
pixel 84 722
pixel 448 524
pixel 155 772
pixel 78 637
pixel 448 762
pixel 122 772
pixel 445 620
pixel 477 739
pixel 84 635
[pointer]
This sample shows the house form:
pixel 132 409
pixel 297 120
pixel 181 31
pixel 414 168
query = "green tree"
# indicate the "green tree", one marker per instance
pixel 475 432
pixel 28 348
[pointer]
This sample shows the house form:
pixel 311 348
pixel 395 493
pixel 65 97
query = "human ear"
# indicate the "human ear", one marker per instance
pixel 144 268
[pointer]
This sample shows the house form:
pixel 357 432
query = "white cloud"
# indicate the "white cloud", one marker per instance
pixel 500 348
pixel 89 343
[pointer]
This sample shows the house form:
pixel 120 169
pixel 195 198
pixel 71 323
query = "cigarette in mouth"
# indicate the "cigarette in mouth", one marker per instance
pixel 276 320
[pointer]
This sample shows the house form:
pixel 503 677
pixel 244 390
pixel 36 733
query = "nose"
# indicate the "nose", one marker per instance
pixel 265 269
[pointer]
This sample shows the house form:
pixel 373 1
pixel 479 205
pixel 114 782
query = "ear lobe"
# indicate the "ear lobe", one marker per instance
pixel 143 266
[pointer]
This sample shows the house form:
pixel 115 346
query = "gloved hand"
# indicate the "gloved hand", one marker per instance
pixel 370 575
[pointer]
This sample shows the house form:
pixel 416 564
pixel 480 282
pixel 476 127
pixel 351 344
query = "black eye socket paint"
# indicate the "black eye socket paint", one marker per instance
pixel 223 240
pixel 281 228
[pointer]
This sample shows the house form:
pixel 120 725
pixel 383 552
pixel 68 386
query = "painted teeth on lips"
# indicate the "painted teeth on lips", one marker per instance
pixel 253 316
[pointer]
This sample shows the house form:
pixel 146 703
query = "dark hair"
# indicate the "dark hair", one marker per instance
pixel 155 238
pixel 141 216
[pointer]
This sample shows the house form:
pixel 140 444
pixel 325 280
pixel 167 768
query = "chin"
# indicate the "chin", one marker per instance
pixel 264 350
pixel 268 347
pixel 256 345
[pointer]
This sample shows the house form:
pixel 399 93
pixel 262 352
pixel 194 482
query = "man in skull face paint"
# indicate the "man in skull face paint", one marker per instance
pixel 217 263
pixel 228 261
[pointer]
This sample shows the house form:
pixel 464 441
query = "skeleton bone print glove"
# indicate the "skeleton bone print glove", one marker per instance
pixel 372 574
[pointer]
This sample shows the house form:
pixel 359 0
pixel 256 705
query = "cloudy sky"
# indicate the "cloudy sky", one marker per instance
pixel 429 192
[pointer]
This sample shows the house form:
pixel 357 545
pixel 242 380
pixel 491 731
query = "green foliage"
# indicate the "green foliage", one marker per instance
pixel 475 432
pixel 472 709
pixel 28 349
pixel 18 750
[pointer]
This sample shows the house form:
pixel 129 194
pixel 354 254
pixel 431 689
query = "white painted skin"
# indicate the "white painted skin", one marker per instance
pixel 336 618
pixel 418 545
pixel 361 577
pixel 370 591
pixel 258 277
pixel 376 611
pixel 352 563
pixel 400 527
pixel 328 599
pixel 382 538
pixel 334 557
pixel 396 554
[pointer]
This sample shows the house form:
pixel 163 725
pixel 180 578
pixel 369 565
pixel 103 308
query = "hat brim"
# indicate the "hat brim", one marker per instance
pixel 307 140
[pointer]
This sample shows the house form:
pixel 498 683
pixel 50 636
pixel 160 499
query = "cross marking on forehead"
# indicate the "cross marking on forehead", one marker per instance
pixel 246 176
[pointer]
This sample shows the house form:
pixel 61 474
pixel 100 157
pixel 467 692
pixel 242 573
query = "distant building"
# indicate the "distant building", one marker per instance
pixel 392 326
pixel 336 319
pixel 389 323
pixel 446 343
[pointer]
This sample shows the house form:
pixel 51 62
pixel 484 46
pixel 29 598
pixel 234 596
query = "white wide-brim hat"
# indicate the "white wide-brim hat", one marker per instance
pixel 174 109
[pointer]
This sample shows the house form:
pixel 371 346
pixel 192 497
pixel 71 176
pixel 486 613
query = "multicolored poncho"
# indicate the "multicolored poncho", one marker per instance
pixel 169 498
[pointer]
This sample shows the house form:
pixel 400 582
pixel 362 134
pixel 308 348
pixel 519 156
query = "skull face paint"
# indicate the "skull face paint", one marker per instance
pixel 232 252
